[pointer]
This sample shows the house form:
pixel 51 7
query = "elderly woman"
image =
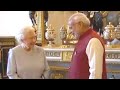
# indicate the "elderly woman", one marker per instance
pixel 27 61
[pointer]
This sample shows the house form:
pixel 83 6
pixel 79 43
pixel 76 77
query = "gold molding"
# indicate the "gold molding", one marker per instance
pixel 112 46
pixel 113 71
pixel 59 68
pixel 40 27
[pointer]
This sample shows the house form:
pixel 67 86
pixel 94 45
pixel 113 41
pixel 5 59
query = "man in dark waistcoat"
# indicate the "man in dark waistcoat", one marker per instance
pixel 88 60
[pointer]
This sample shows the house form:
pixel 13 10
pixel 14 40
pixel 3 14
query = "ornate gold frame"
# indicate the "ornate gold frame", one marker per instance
pixel 40 27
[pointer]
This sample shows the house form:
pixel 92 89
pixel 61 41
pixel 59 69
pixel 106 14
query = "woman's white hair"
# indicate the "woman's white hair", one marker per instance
pixel 80 17
pixel 21 34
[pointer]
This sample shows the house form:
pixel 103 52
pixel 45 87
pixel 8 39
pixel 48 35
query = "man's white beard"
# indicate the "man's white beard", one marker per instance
pixel 76 35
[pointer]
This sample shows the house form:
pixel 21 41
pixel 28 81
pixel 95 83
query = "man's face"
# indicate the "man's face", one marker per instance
pixel 30 39
pixel 74 28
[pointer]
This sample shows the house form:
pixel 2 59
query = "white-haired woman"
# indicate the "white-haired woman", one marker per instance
pixel 26 60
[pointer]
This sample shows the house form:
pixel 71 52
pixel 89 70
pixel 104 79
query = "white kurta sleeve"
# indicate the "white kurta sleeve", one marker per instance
pixel 95 52
pixel 11 66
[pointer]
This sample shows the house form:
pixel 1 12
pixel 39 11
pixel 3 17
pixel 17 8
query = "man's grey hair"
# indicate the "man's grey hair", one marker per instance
pixel 80 17
pixel 21 34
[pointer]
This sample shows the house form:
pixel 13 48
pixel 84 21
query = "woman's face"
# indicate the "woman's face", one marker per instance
pixel 30 39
